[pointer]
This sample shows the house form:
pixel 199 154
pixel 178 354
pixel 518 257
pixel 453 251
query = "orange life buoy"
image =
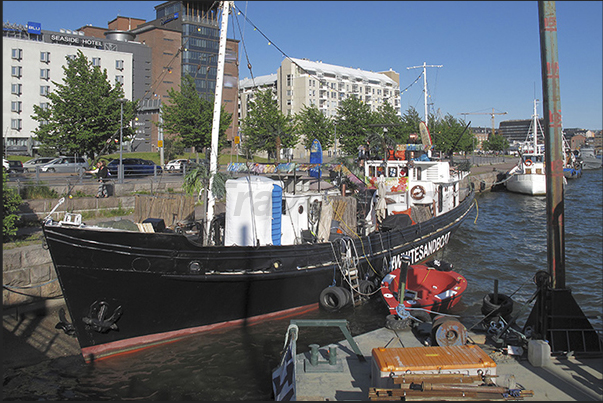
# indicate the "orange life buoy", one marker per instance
pixel 528 162
pixel 417 192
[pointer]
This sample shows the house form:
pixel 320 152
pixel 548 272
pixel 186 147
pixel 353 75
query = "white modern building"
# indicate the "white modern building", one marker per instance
pixel 33 61
pixel 300 82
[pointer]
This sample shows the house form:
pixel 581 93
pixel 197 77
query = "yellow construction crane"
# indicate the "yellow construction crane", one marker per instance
pixel 486 113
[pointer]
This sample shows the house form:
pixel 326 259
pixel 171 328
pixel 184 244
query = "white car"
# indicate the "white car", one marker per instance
pixel 5 164
pixel 30 166
pixel 176 165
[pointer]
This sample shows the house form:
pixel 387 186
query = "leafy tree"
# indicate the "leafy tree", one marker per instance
pixel 10 201
pixel 353 124
pixel 451 135
pixel 496 142
pixel 83 114
pixel 190 116
pixel 172 148
pixel 311 123
pixel 266 128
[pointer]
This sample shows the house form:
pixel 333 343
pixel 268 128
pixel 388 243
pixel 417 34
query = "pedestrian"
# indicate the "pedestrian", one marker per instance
pixel 101 173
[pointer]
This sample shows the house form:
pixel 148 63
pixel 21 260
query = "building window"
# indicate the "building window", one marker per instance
pixel 15 124
pixel 15 106
pixel 17 54
pixel 288 80
pixel 119 79
pixel 15 89
pixel 45 73
pixel 70 57
pixel 45 57
pixel 44 105
pixel 96 61
pixel 44 89
pixel 119 64
pixel 15 71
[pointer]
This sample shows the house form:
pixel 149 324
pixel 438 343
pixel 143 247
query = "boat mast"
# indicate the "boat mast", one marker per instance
pixel 535 126
pixel 215 129
pixel 424 66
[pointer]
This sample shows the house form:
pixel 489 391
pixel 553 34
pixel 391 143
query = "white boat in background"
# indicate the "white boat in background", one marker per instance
pixel 528 176
pixel 588 158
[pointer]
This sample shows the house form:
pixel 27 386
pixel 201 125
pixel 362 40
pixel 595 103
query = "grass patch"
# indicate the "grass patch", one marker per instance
pixel 31 190
pixel 106 213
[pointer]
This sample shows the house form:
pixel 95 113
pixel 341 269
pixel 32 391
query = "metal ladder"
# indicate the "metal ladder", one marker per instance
pixel 350 269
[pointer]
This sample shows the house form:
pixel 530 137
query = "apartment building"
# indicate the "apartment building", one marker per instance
pixel 300 82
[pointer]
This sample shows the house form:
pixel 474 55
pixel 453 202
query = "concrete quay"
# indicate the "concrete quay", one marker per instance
pixel 567 379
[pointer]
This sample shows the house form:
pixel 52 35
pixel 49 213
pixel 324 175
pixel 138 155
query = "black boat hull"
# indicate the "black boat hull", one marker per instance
pixel 140 289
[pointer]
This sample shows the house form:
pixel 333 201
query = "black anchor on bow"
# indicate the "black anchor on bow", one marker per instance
pixel 97 317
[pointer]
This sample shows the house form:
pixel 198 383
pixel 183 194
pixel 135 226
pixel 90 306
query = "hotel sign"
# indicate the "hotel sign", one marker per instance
pixel 34 28
pixel 76 41
pixel 169 18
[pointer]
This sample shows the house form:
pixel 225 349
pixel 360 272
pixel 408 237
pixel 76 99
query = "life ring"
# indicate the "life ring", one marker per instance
pixel 417 192
pixel 528 162
pixel 332 299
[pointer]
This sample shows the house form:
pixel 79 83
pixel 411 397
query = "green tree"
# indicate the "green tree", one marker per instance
pixel 11 201
pixel 83 113
pixel 353 124
pixel 451 135
pixel 266 128
pixel 312 124
pixel 496 142
pixel 172 148
pixel 190 116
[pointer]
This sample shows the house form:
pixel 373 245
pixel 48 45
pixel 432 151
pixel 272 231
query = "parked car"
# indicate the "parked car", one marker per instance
pixel 15 167
pixel 176 165
pixel 30 166
pixel 134 167
pixel 5 164
pixel 66 165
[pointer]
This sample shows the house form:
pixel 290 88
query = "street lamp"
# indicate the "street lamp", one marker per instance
pixel 120 171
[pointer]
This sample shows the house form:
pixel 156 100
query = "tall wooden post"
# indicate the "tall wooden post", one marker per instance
pixel 553 133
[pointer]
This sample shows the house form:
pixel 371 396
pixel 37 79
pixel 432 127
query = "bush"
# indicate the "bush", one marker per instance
pixel 11 201
pixel 33 191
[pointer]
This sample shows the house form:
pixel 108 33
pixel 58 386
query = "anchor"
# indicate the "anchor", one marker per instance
pixel 96 319
pixel 64 324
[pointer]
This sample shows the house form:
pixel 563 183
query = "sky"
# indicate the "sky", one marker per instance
pixel 489 50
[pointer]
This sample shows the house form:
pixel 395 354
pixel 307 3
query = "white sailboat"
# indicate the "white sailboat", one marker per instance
pixel 529 177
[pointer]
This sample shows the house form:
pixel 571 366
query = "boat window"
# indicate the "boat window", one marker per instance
pixel 393 172
pixel 371 171
pixel 418 173
pixel 380 171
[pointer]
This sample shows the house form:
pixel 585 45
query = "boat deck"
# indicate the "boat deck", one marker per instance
pixel 569 379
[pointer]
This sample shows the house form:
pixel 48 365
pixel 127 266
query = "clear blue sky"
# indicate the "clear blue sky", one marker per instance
pixel 490 51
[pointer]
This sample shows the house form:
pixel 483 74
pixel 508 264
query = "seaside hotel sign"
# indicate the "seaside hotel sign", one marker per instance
pixel 76 40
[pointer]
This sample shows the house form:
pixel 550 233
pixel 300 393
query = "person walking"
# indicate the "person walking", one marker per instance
pixel 101 172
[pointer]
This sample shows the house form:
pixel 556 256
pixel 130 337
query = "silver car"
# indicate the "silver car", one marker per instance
pixel 30 166
pixel 66 165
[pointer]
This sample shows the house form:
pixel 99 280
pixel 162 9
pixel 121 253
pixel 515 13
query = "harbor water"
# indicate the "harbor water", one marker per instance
pixel 504 238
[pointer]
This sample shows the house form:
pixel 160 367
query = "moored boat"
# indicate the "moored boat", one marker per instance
pixel 588 158
pixel 433 287
pixel 273 252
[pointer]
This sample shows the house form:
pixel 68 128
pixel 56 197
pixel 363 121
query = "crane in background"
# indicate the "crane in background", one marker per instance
pixel 486 113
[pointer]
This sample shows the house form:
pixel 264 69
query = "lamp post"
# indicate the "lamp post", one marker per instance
pixel 120 171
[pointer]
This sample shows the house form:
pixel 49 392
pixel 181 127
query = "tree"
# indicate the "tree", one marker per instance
pixel 451 135
pixel 266 128
pixel 172 148
pixel 496 142
pixel 10 201
pixel 353 124
pixel 190 116
pixel 312 124
pixel 83 114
